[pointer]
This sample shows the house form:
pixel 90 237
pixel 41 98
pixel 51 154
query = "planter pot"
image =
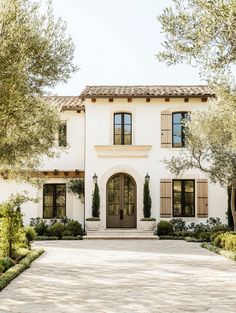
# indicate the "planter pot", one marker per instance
pixel 92 225
pixel 148 225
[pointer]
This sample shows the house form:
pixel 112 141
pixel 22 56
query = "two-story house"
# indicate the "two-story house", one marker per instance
pixel 120 135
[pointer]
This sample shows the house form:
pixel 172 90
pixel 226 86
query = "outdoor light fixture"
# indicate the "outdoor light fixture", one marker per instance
pixel 147 178
pixel 95 178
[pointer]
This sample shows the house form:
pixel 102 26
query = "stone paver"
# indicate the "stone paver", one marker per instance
pixel 124 276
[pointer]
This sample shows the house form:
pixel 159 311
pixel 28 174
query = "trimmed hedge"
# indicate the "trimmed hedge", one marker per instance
pixel 16 270
pixel 188 239
pixel 192 239
pixel 72 238
pixel 43 238
pixel 229 254
pixel 168 237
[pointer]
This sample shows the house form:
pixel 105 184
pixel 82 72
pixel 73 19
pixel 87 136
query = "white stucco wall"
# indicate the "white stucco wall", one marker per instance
pixel 74 207
pixel 146 131
pixel 99 131
pixel 72 157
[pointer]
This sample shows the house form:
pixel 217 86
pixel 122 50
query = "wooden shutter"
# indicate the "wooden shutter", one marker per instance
pixel 166 129
pixel 202 198
pixel 165 197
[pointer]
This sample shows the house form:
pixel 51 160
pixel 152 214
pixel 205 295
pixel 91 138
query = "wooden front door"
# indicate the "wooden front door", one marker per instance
pixel 121 201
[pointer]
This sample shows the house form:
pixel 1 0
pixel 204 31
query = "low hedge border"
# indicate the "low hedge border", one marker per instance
pixel 42 238
pixel 188 239
pixel 20 267
pixel 169 237
pixel 228 254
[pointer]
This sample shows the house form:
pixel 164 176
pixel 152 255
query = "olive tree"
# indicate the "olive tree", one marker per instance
pixel 200 33
pixel 35 55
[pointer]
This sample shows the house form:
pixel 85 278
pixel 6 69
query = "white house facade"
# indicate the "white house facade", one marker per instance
pixel 122 134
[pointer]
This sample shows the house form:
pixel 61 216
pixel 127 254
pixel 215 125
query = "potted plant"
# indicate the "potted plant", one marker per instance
pixel 147 222
pixel 93 223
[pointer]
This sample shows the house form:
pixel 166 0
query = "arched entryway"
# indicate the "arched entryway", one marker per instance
pixel 121 201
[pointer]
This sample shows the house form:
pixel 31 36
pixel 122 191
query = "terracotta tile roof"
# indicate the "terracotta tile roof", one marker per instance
pixel 158 91
pixel 66 103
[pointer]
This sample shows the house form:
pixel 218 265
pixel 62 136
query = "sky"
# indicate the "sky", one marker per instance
pixel 115 44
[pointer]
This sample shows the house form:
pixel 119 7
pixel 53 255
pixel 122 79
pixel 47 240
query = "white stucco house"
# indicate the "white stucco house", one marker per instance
pixel 121 133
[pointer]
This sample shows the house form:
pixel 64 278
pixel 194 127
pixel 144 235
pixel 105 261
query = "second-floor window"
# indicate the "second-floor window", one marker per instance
pixel 122 129
pixel 178 135
pixel 62 134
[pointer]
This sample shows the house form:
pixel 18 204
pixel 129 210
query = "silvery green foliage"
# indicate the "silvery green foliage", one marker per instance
pixel 35 54
pixel 200 33
pixel 210 142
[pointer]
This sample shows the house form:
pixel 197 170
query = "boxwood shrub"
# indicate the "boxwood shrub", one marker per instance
pixel 14 271
pixel 164 228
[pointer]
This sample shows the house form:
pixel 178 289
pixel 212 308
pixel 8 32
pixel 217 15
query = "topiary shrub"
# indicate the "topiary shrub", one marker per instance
pixel 74 228
pixel 147 201
pixel 164 228
pixel 56 230
pixel 1 269
pixel 96 202
pixel 30 233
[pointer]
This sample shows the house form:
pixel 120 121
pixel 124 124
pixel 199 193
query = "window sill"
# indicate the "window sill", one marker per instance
pixel 123 151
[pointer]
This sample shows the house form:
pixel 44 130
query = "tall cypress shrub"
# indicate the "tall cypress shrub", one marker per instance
pixel 147 201
pixel 96 202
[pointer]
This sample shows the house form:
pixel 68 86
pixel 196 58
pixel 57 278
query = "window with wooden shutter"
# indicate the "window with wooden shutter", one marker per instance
pixel 202 198
pixel 165 197
pixel 166 129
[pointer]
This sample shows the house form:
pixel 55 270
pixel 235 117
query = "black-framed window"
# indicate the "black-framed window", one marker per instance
pixel 178 135
pixel 183 198
pixel 62 134
pixel 54 200
pixel 122 129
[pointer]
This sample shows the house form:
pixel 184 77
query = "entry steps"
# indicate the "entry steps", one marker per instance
pixel 117 233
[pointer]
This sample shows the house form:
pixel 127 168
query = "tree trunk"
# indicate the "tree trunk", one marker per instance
pixel 233 206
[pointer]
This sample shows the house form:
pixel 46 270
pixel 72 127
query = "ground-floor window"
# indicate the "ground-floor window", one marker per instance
pixel 54 200
pixel 183 198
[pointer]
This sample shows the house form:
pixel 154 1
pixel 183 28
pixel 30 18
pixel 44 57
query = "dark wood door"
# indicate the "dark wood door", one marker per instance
pixel 121 201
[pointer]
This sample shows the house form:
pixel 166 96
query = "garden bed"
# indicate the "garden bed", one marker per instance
pixel 42 238
pixel 229 254
pixel 188 239
pixel 18 268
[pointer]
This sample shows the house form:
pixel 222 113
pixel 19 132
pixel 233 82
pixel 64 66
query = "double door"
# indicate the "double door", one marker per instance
pixel 121 201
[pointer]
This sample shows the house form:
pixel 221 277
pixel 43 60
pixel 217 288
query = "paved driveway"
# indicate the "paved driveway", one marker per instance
pixel 124 276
